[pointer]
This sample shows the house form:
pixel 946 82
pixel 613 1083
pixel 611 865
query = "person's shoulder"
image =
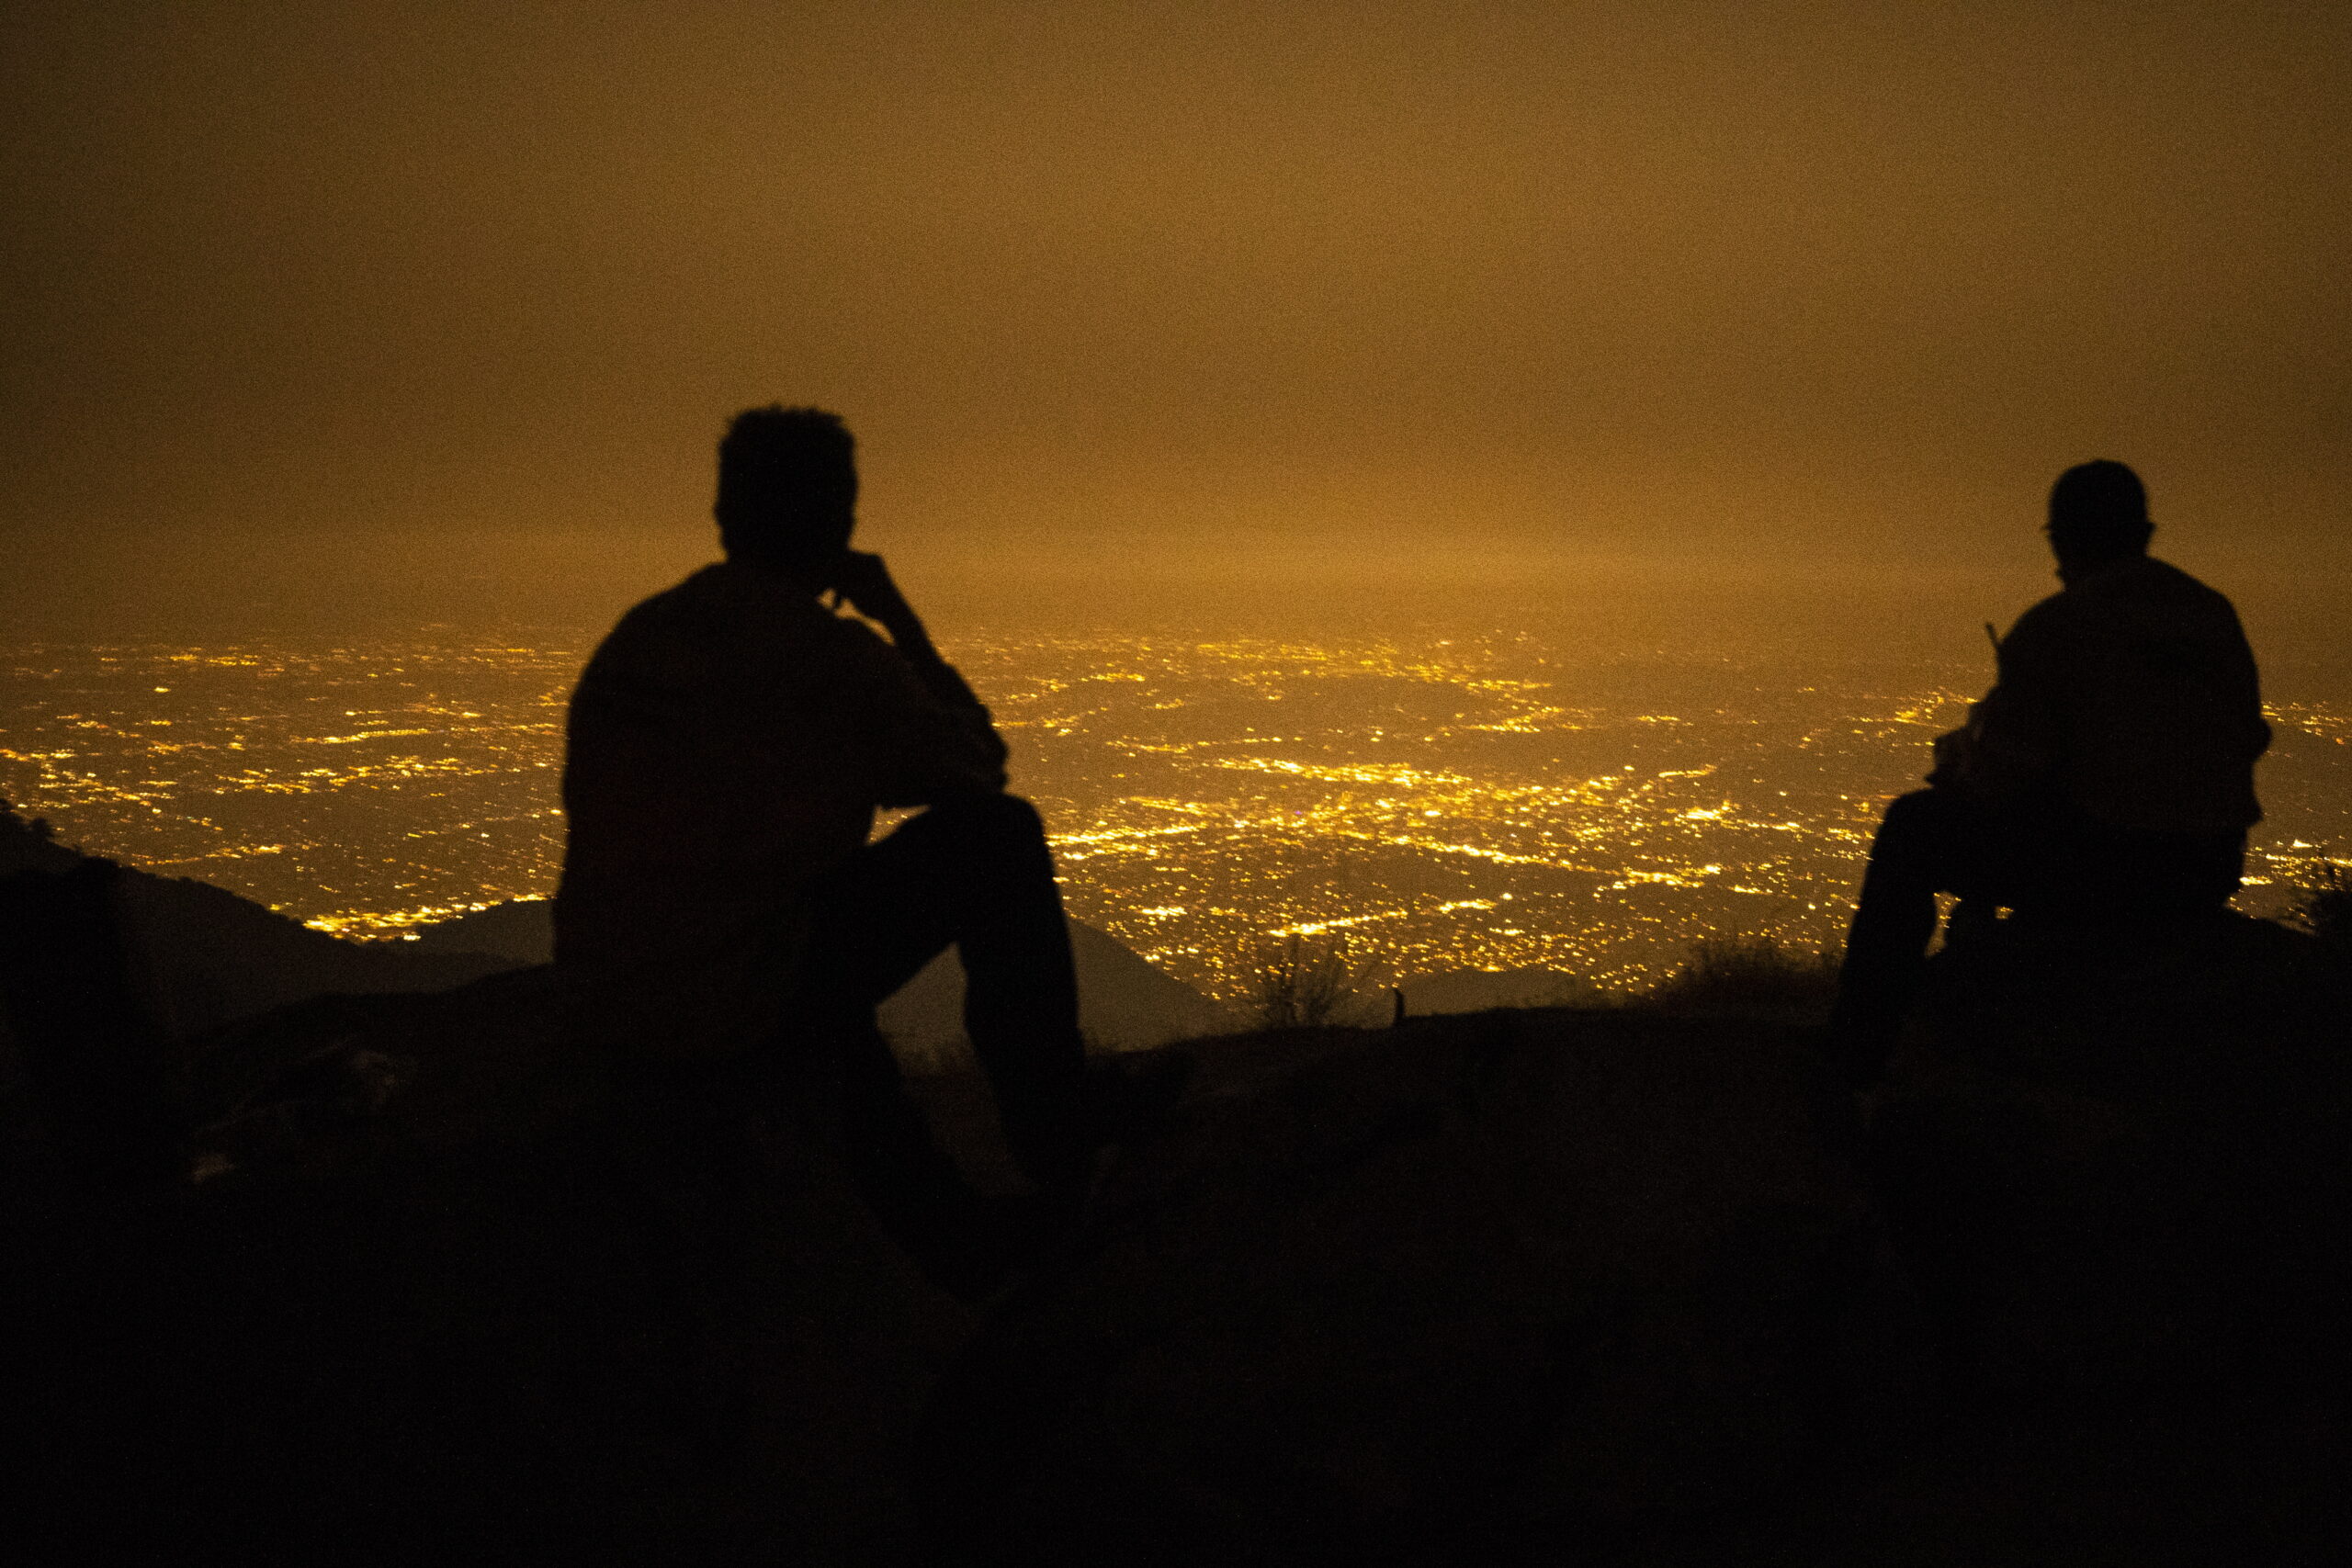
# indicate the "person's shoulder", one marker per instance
pixel 2147 598
pixel 656 627
pixel 2142 581
pixel 719 600
pixel 2149 587
pixel 655 609
pixel 2045 614
pixel 2162 578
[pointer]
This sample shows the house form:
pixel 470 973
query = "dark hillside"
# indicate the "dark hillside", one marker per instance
pixel 203 955
pixel 408 1272
pixel 1550 1282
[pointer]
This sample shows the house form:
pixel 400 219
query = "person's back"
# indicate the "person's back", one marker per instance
pixel 2107 777
pixel 728 745
pixel 2156 704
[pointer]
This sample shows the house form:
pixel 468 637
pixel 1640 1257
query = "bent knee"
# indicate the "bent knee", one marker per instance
pixel 1919 805
pixel 1008 814
pixel 1923 815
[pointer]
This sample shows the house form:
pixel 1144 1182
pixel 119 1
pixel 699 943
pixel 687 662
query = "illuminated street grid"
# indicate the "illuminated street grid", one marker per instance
pixel 362 789
pixel 1438 803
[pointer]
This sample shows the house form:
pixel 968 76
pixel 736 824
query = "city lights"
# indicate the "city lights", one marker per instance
pixel 1433 804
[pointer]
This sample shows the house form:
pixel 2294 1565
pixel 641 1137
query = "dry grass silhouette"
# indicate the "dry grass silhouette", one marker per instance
pixel 2324 909
pixel 1302 983
pixel 1749 974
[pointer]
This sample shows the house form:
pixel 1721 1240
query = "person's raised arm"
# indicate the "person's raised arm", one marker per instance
pixel 2019 733
pixel 866 583
pixel 925 731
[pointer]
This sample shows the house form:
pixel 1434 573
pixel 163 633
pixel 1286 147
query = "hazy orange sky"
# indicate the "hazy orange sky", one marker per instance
pixel 413 292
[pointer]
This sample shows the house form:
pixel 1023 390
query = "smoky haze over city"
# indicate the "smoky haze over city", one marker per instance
pixel 433 309
pixel 1391 468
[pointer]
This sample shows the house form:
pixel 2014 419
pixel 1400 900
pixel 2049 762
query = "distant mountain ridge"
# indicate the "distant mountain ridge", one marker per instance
pixel 1126 1002
pixel 206 956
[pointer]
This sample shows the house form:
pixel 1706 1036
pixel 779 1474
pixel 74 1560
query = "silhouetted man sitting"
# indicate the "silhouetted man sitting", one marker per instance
pixel 729 745
pixel 2107 777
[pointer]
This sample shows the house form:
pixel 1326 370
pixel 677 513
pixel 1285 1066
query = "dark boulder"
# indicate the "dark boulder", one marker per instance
pixel 1519 1282
pixel 428 1283
pixel 2127 1142
pixel 2118 1162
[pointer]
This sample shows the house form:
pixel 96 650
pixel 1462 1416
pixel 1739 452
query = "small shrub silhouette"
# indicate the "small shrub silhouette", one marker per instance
pixel 1301 985
pixel 2324 909
pixel 1748 974
pixel 13 822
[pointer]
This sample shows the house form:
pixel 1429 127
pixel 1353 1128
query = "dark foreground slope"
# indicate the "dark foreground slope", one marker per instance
pixel 1527 1282
pixel 2117 1166
pixel 453 1290
pixel 1124 1003
pixel 409 1279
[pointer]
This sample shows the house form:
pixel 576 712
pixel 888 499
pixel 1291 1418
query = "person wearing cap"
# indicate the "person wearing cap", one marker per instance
pixel 2107 777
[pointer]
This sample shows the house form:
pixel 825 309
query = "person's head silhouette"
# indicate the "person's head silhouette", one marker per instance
pixel 2098 513
pixel 787 489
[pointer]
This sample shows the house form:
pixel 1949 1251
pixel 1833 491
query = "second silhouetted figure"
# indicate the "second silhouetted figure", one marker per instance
pixel 2107 777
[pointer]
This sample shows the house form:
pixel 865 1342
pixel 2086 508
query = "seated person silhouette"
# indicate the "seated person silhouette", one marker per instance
pixel 2107 778
pixel 729 745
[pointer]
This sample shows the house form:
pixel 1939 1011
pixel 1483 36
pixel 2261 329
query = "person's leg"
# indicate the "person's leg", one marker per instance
pixel 1923 842
pixel 975 874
